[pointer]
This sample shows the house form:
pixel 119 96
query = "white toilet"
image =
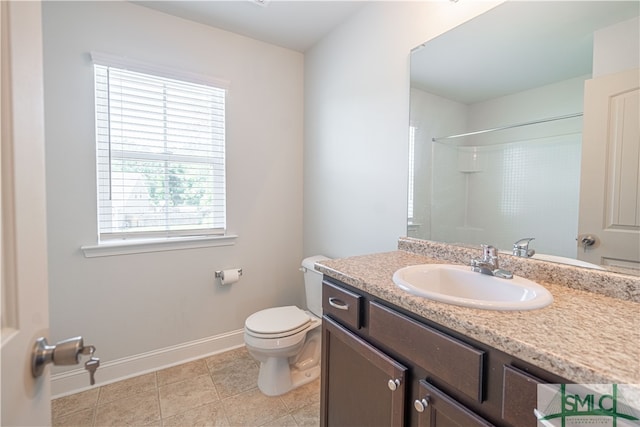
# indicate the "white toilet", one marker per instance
pixel 287 340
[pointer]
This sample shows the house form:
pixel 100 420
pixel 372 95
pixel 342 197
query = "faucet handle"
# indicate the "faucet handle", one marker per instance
pixel 523 243
pixel 521 247
pixel 488 252
pixel 489 263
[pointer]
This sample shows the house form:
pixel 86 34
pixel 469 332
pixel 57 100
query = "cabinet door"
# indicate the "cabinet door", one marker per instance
pixel 519 397
pixel 436 409
pixel 361 386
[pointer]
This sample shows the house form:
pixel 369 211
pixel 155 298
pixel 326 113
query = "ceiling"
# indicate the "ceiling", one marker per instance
pixel 514 47
pixel 296 25
pixel 541 41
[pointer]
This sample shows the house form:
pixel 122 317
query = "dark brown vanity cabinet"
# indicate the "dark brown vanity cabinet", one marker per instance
pixel 519 397
pixel 382 366
pixel 361 385
pixel 364 387
pixel 436 409
pixel 454 362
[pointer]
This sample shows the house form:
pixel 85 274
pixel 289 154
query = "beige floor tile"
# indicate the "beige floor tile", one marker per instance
pixel 287 421
pixel 223 361
pixel 140 409
pixel 252 408
pixel 73 403
pixel 182 372
pixel 309 416
pixel 218 391
pixel 233 371
pixel 82 418
pixel 126 388
pixel 202 416
pixel 179 397
pixel 239 376
pixel 302 396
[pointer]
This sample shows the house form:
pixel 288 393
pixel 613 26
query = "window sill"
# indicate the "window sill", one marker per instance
pixel 126 247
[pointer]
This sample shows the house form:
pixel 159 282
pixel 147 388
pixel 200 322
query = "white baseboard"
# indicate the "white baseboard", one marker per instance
pixel 77 380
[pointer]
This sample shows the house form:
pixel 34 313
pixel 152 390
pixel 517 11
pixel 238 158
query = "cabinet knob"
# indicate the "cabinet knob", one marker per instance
pixel 421 405
pixel 393 384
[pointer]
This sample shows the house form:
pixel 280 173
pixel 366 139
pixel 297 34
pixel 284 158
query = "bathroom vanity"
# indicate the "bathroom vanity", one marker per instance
pixel 391 358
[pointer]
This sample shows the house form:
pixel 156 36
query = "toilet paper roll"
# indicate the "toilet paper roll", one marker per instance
pixel 229 276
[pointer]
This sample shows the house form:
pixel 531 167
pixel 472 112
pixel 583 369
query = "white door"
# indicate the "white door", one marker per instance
pixel 25 316
pixel 610 177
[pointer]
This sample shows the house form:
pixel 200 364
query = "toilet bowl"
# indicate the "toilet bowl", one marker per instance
pixel 288 358
pixel 287 340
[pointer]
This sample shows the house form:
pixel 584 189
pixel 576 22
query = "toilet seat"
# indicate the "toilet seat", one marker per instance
pixel 277 322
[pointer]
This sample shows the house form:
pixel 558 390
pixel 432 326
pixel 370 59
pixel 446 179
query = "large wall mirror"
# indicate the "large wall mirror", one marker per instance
pixel 509 139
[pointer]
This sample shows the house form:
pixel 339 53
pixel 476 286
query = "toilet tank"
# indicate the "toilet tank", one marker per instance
pixel 313 284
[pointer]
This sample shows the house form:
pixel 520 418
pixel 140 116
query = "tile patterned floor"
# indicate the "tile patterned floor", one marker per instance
pixel 220 390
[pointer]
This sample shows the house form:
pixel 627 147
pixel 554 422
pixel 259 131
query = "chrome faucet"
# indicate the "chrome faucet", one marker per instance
pixel 521 248
pixel 489 264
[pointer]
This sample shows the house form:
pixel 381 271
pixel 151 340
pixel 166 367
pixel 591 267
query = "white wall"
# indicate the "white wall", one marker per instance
pixel 132 304
pixel 356 124
pixel 616 48
pixel 557 99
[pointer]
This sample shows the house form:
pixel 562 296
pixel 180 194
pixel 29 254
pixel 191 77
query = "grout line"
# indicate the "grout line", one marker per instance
pixel 95 408
pixel 157 383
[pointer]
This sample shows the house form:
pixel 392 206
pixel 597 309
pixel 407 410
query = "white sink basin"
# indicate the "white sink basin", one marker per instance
pixel 456 284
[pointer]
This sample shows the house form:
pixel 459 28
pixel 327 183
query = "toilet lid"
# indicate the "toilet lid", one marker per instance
pixel 277 320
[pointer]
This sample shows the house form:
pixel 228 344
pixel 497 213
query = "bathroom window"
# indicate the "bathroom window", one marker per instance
pixel 160 155
pixel 412 161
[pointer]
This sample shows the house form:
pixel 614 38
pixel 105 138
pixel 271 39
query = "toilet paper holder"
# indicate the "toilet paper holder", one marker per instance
pixel 220 274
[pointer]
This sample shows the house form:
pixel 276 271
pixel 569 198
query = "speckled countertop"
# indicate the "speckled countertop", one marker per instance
pixel 584 336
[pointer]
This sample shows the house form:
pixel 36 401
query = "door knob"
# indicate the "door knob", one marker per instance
pixel 66 352
pixel 587 240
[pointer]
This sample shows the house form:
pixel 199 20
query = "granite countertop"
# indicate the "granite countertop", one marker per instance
pixel 585 337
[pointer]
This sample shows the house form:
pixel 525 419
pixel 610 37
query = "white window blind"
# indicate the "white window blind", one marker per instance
pixel 160 156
